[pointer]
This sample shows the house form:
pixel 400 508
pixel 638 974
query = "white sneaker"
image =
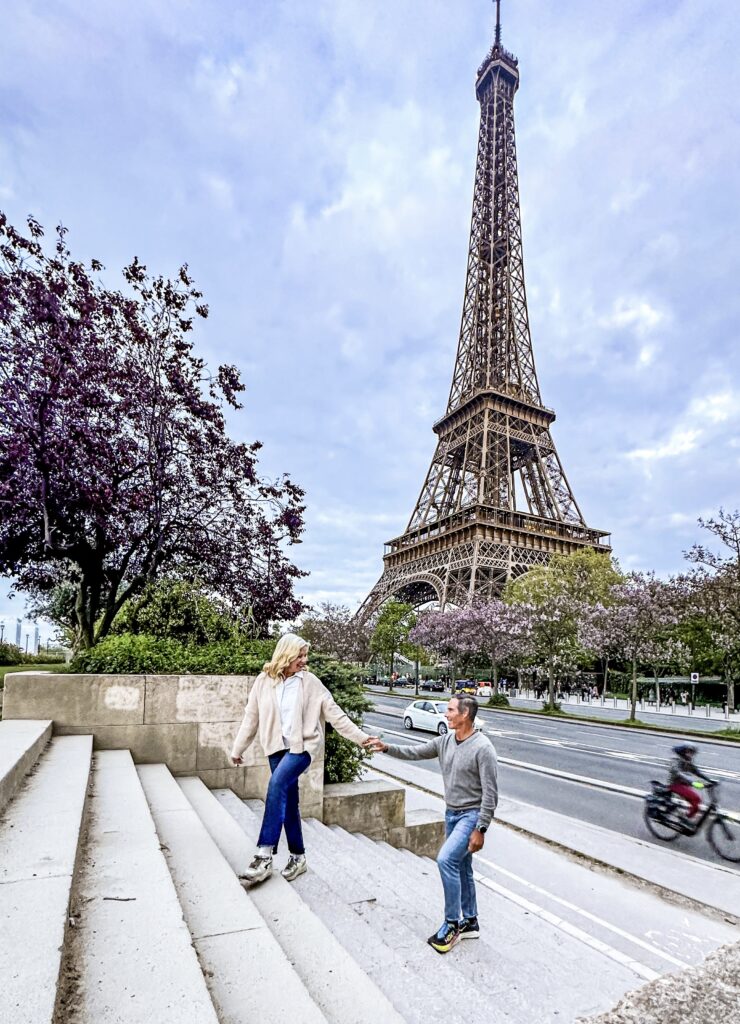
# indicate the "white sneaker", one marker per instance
pixel 258 870
pixel 296 866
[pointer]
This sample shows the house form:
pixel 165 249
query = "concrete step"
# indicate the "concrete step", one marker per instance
pixel 423 985
pixel 336 982
pixel 130 959
pixel 247 973
pixel 21 744
pixel 389 950
pixel 39 846
pixel 539 967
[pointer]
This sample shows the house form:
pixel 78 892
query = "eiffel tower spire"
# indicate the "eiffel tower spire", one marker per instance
pixel 496 500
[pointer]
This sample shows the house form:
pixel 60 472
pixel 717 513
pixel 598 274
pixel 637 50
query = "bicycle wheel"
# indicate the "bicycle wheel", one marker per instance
pixel 659 829
pixel 724 835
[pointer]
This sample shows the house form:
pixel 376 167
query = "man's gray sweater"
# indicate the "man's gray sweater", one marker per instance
pixel 469 771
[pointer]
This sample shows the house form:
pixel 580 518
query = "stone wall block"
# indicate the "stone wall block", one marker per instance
pixel 172 699
pixel 371 807
pixel 215 740
pixel 89 700
pixel 173 745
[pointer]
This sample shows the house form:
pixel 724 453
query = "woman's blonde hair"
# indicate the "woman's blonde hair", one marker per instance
pixel 287 650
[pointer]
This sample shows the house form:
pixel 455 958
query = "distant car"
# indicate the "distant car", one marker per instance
pixel 433 686
pixel 430 716
pixel 485 689
pixel 466 686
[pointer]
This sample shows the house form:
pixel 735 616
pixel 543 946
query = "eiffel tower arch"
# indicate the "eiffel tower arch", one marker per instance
pixel 496 501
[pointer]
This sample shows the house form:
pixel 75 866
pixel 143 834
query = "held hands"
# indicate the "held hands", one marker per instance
pixel 375 744
pixel 476 841
pixel 237 760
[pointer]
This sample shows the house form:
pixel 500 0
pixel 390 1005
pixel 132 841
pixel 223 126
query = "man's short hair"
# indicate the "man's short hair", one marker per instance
pixel 466 702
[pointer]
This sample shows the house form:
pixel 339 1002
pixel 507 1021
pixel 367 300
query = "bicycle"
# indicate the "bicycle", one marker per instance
pixel 664 817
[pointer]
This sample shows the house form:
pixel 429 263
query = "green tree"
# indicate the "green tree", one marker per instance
pixel 178 609
pixel 391 633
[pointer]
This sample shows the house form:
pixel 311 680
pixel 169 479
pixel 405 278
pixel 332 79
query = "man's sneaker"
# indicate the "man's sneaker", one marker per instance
pixel 445 938
pixel 257 871
pixel 469 928
pixel 296 866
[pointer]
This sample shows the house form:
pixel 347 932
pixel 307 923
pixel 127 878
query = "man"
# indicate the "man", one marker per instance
pixel 469 773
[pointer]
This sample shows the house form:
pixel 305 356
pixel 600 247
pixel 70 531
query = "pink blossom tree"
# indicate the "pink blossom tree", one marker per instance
pixel 636 627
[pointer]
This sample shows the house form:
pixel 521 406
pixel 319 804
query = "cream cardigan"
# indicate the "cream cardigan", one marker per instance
pixel 314 705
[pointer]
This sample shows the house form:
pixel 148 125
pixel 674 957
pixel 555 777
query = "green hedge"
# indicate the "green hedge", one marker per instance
pixel 147 655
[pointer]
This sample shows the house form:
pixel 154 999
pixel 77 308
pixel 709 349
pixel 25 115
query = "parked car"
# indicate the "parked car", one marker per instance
pixel 485 689
pixel 466 686
pixel 429 715
pixel 433 686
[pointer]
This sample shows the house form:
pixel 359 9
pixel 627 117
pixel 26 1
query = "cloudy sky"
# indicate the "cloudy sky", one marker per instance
pixel 313 162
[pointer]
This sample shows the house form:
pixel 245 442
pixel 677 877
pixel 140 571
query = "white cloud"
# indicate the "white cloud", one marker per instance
pixel 627 196
pixel 679 442
pixel 637 314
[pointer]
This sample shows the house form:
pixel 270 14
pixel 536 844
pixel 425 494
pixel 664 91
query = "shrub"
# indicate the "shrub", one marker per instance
pixel 10 654
pixel 343 760
pixel 498 700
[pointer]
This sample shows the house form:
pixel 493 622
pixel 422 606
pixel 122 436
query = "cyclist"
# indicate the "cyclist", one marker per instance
pixel 680 772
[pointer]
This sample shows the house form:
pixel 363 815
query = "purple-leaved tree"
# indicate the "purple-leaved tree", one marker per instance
pixel 115 463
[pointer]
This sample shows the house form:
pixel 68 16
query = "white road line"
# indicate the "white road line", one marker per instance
pixel 570 929
pixel 556 773
pixel 634 939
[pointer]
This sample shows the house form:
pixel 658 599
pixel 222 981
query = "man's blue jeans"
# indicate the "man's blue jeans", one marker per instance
pixel 281 802
pixel 455 863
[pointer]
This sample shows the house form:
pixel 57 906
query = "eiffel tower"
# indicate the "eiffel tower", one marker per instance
pixel 466 536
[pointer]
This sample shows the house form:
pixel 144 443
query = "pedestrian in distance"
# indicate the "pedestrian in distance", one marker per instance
pixel 287 709
pixel 469 773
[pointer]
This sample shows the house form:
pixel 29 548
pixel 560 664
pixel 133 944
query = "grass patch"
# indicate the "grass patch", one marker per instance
pixel 56 666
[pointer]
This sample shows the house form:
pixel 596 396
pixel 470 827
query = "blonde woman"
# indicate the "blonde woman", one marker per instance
pixel 287 708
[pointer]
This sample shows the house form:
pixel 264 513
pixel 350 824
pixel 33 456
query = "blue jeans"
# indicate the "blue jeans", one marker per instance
pixel 455 864
pixel 281 802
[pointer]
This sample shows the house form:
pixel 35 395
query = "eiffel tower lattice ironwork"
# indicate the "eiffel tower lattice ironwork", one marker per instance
pixel 466 537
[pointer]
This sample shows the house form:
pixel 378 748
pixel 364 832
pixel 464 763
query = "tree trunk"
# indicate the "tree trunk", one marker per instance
pixel 551 685
pixel 633 694
pixel 657 689
pixel 495 676
pixel 606 676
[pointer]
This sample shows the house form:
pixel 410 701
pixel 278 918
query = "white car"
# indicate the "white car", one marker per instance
pixel 429 715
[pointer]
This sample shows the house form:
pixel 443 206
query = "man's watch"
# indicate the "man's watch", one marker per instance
pixel 482 829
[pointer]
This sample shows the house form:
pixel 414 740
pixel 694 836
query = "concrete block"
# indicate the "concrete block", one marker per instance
pixel 423 833
pixel 370 807
pixel 88 700
pixel 215 740
pixel 171 699
pixel 21 743
pixel 173 745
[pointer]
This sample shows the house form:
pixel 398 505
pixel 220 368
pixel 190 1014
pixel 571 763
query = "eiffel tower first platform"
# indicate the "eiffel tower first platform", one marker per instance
pixel 466 537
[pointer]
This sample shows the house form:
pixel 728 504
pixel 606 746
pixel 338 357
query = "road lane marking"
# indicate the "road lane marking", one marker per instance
pixel 634 939
pixel 570 929
pixel 582 780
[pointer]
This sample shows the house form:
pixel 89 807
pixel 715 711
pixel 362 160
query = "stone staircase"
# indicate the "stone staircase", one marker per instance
pixel 121 905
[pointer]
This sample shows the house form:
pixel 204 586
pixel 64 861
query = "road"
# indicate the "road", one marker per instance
pixel 597 757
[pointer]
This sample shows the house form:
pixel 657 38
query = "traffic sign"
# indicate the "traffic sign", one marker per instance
pixel 694 677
